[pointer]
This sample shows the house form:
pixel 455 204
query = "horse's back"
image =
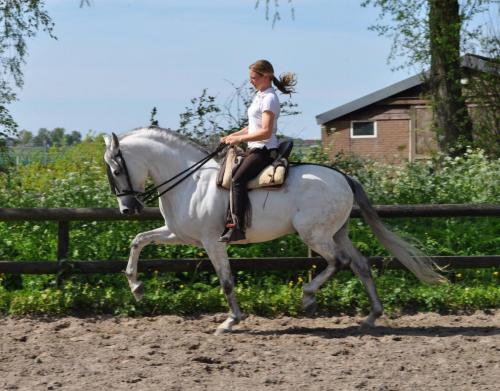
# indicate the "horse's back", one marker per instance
pixel 317 176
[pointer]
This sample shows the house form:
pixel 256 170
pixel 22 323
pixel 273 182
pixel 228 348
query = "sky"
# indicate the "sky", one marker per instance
pixel 114 61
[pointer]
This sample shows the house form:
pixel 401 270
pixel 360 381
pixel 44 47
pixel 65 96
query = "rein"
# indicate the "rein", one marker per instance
pixel 149 194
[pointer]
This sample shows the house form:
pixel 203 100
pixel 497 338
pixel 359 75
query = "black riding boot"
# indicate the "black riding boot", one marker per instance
pixel 235 230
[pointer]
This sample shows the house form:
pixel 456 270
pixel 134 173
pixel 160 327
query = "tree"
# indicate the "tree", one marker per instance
pixel 451 117
pixel 19 20
pixel 57 137
pixel 25 137
pixel 200 121
pixel 42 139
pixel 483 89
pixel 432 32
pixel 74 138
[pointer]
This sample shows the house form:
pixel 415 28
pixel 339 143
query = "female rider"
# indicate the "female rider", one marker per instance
pixel 260 134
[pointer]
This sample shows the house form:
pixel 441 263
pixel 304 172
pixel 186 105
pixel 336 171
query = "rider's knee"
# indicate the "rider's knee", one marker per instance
pixel 236 181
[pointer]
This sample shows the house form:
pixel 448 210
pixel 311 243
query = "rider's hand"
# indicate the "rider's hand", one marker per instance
pixel 232 140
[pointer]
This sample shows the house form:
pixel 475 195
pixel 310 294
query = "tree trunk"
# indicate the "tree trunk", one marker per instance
pixel 451 118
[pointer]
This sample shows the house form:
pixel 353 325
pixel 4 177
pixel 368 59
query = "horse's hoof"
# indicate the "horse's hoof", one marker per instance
pixel 221 331
pixel 366 325
pixel 138 291
pixel 310 307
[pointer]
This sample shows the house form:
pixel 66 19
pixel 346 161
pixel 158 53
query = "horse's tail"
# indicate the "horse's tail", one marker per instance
pixel 422 266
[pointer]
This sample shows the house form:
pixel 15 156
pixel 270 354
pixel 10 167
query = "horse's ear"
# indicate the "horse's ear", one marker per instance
pixel 115 144
pixel 107 140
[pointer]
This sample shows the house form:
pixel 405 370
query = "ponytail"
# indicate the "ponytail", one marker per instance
pixel 286 83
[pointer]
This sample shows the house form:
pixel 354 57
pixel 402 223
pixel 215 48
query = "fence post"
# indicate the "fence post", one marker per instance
pixel 62 251
pixel 63 240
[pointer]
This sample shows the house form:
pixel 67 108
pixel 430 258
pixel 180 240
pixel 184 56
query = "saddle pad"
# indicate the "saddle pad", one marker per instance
pixel 272 176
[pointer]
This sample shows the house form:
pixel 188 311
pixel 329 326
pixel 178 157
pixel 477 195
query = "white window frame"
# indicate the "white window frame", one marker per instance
pixel 374 135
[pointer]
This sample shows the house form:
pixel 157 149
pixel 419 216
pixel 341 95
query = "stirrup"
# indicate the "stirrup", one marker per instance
pixel 233 234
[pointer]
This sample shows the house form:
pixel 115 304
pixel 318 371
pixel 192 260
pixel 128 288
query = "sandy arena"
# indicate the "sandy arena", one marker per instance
pixel 419 352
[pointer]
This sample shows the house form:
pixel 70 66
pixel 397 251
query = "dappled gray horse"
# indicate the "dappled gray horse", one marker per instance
pixel 315 202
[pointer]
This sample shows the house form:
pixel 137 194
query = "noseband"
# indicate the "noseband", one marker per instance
pixel 150 193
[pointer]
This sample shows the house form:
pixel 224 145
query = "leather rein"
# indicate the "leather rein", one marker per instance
pixel 150 194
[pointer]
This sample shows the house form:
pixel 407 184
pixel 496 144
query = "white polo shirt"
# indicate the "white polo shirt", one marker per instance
pixel 266 100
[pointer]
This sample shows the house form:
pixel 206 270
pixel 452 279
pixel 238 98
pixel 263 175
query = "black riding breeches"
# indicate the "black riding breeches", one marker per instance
pixel 254 161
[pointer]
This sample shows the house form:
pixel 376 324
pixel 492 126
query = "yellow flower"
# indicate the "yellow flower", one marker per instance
pixel 459 275
pixel 181 286
pixel 495 274
pixel 314 266
pixel 290 284
pixel 300 280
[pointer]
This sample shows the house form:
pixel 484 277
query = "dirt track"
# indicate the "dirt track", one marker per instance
pixel 420 352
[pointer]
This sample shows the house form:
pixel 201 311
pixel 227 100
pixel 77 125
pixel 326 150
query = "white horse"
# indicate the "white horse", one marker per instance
pixel 315 202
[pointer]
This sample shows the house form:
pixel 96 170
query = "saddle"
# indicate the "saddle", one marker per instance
pixel 272 176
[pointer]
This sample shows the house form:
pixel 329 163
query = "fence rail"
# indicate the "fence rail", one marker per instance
pixel 65 215
pixel 97 214
pixel 203 264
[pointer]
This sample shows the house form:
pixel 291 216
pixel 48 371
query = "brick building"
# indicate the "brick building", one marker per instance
pixel 392 124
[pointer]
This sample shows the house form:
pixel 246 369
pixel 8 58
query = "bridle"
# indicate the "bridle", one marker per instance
pixel 114 188
pixel 150 193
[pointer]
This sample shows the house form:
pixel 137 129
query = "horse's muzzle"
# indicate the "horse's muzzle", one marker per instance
pixel 130 205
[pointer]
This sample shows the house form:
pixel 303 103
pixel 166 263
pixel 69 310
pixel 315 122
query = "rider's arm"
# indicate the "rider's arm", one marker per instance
pixel 264 133
pixel 238 133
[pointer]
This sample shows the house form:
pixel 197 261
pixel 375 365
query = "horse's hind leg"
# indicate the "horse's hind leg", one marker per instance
pixel 361 267
pixel 310 289
pixel 160 235
pixel 323 244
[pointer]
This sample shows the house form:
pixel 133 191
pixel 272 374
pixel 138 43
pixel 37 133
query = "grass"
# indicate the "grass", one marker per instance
pixel 270 294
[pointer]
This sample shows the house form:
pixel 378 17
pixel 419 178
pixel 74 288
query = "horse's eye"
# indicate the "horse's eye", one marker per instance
pixel 116 172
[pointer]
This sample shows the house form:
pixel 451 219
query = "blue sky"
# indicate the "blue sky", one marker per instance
pixel 114 61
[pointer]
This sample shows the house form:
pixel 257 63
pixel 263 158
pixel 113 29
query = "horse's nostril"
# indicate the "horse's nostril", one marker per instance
pixel 126 211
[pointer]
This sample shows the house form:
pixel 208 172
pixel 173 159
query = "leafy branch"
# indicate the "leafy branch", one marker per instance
pixel 19 20
pixel 274 4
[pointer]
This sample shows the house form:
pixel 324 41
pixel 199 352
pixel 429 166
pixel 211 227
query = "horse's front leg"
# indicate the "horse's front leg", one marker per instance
pixel 160 235
pixel 218 255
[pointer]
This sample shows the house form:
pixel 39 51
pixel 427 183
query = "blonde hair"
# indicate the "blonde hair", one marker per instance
pixel 286 81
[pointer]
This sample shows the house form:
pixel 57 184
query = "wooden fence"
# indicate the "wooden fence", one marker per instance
pixel 65 215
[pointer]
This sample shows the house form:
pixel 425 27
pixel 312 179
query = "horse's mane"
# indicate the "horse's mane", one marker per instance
pixel 165 135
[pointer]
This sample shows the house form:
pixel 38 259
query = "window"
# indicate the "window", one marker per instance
pixel 363 129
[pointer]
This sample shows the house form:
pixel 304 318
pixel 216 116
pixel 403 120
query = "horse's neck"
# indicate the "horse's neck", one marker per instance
pixel 165 161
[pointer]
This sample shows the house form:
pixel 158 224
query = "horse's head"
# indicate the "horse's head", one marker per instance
pixel 126 177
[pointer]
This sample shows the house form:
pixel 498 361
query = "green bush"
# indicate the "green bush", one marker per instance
pixel 75 177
